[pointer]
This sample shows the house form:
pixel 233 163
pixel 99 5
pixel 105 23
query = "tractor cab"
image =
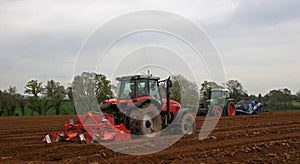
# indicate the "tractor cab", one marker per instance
pixel 137 87
pixel 218 96
pixel 219 93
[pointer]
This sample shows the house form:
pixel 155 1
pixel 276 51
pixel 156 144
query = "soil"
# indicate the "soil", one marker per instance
pixel 262 138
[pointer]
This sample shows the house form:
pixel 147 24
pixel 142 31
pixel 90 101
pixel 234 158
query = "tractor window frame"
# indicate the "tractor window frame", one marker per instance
pixel 155 84
pixel 142 88
pixel 124 91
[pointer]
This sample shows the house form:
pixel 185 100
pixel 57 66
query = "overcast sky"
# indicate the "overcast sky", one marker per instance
pixel 258 40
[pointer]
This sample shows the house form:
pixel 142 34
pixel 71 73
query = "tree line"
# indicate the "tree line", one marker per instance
pixel 91 89
pixel 276 99
pixel 52 97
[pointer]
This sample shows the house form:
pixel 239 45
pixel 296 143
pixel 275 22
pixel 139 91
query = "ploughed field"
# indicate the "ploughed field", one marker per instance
pixel 266 137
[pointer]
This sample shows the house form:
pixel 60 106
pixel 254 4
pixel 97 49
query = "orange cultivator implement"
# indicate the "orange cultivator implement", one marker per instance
pixel 90 128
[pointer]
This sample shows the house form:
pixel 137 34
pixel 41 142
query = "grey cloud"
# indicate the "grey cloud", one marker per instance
pixel 266 12
pixel 41 39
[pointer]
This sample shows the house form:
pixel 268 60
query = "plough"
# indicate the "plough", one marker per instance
pixel 90 128
pixel 253 107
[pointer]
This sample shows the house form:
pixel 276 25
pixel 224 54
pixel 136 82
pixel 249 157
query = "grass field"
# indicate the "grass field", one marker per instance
pixel 296 103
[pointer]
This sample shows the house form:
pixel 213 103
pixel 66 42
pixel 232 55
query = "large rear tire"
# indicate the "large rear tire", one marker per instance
pixel 145 121
pixel 230 109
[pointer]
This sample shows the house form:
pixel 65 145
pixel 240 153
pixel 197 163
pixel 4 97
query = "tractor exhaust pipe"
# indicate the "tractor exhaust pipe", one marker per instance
pixel 169 85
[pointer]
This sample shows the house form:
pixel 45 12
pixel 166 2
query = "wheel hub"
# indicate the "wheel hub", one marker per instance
pixel 147 124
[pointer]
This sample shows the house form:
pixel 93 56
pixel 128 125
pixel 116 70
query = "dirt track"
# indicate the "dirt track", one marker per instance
pixel 269 137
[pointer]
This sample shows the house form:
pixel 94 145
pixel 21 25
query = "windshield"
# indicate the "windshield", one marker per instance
pixel 154 90
pixel 137 88
pixel 125 90
pixel 219 94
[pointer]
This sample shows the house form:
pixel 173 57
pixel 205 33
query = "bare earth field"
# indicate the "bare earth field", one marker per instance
pixel 262 138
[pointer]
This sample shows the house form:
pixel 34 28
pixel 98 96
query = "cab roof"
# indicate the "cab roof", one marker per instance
pixel 222 90
pixel 136 77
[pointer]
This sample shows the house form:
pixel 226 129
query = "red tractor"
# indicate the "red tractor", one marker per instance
pixel 140 107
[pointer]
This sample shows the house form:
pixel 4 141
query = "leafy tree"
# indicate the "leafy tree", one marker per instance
pixel 34 87
pixel 206 85
pixel 162 90
pixel 205 89
pixel 36 104
pixel 297 98
pixel 9 100
pixel 69 91
pixel 184 91
pixel 236 89
pixel 56 102
pixel 103 88
pixel 3 103
pixel 55 93
pixel 176 91
pixel 89 89
pixel 12 90
pixel 280 99
pixel 12 103
pixel 251 97
pixel 53 88
pixel 12 100
pixel 22 105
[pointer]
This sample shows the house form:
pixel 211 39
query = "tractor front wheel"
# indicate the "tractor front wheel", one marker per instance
pixel 188 125
pixel 145 121
pixel 216 110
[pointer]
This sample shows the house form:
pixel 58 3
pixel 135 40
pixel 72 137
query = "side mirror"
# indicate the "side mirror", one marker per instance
pixel 170 84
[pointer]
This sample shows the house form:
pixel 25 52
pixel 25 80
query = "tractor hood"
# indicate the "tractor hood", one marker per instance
pixel 174 106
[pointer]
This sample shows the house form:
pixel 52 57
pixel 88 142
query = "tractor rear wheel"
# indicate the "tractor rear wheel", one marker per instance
pixel 145 121
pixel 230 109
